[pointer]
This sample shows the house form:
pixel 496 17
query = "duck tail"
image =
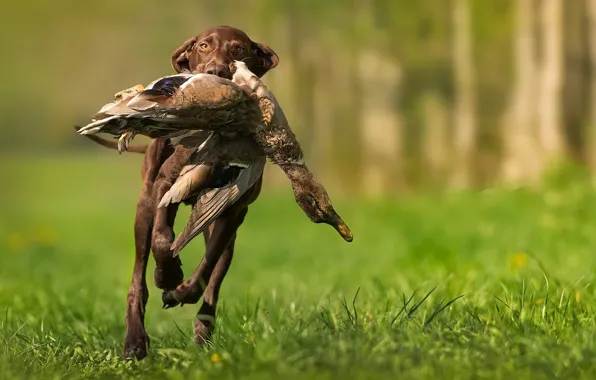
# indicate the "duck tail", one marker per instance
pixel 114 144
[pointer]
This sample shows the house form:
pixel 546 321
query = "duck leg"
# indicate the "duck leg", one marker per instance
pixel 124 141
pixel 223 231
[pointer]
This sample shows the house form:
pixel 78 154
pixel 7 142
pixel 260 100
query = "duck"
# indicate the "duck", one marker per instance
pixel 233 125
pixel 174 105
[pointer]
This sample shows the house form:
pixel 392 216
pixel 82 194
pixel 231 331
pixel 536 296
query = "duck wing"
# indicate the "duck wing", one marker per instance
pixel 131 108
pixel 208 92
pixel 159 92
pixel 170 83
pixel 196 175
pixel 119 105
pixel 192 179
pixel 173 105
pixel 213 202
pixel 190 139
pixel 187 92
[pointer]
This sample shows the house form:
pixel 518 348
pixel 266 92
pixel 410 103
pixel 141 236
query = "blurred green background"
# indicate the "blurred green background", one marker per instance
pixel 386 96
pixel 457 139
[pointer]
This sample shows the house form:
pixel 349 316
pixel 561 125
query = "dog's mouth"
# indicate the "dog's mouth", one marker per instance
pixel 226 74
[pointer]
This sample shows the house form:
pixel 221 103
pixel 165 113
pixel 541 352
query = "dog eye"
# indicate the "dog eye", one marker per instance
pixel 238 50
pixel 203 45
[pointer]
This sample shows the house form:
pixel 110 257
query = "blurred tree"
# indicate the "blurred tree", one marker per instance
pixel 464 108
pixel 381 129
pixel 551 80
pixel 385 95
pixel 436 139
pixel 521 159
pixel 576 73
pixel 591 124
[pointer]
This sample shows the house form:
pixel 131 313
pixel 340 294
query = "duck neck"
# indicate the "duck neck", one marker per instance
pixel 297 173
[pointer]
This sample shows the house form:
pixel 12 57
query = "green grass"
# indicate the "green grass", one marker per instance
pixel 299 302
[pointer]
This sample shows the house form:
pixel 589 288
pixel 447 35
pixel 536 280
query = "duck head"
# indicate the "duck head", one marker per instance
pixel 313 199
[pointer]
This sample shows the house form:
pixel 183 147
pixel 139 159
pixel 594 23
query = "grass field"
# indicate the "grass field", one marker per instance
pixel 493 284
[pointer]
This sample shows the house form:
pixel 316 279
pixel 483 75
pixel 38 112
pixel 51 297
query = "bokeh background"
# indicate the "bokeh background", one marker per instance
pixel 385 96
pixel 457 138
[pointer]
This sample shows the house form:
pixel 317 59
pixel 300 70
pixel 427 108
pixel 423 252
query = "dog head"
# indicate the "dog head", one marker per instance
pixel 214 51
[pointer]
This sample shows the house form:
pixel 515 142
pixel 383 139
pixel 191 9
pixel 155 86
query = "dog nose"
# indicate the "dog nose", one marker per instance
pixel 219 70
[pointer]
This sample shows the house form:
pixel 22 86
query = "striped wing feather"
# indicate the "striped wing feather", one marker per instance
pixel 214 201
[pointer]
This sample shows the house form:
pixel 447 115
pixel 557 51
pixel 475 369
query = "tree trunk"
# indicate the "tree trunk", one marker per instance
pixel 435 141
pixel 551 81
pixel 464 109
pixel 323 148
pixel 379 80
pixel 521 154
pixel 591 132
pixel 575 94
pixel 380 123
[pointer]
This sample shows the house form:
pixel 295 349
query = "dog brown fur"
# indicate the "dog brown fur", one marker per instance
pixel 213 51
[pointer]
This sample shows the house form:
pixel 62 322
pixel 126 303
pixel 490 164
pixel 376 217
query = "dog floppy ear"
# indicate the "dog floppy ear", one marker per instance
pixel 181 56
pixel 264 59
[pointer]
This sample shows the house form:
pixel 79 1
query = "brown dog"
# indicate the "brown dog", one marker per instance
pixel 213 51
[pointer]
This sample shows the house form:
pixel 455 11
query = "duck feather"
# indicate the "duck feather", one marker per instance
pixel 213 202
pixel 191 179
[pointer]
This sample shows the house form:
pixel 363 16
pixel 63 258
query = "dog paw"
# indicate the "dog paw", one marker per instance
pixel 136 347
pixel 204 327
pixel 183 294
pixel 169 300
pixel 168 275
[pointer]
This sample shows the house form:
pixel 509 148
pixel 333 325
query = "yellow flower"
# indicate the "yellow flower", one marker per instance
pixel 518 261
pixel 46 236
pixel 578 296
pixel 16 242
pixel 215 358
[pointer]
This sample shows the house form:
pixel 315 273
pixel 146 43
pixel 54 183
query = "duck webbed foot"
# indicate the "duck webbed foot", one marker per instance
pixel 124 141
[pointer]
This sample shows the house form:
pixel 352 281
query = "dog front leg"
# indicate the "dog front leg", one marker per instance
pixel 222 233
pixel 168 269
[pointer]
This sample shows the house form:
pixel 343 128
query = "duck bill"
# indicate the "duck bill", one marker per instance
pixel 342 228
